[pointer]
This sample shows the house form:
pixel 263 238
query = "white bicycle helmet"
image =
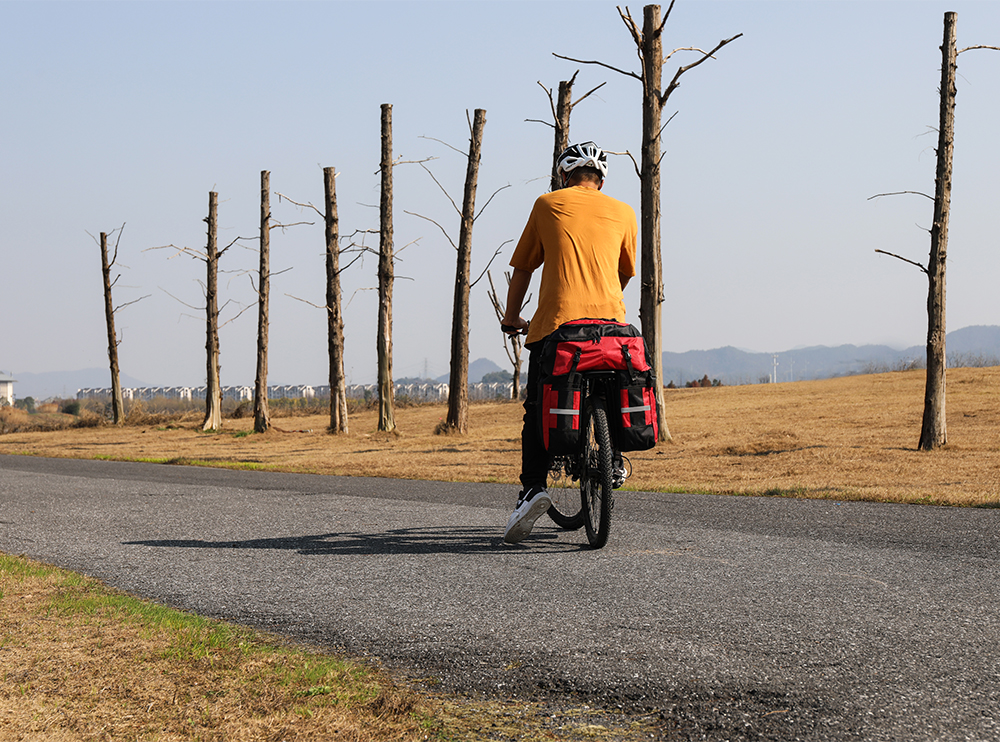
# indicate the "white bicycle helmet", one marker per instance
pixel 586 154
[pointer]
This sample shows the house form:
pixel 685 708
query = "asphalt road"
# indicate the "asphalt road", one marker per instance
pixel 727 618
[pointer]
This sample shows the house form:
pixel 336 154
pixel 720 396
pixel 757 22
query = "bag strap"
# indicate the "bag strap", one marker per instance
pixel 627 357
pixel 576 360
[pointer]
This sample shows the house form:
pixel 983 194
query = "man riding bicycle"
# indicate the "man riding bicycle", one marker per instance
pixel 584 241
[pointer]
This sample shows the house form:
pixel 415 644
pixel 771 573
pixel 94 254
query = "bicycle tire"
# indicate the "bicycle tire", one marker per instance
pixel 567 507
pixel 596 491
pixel 564 520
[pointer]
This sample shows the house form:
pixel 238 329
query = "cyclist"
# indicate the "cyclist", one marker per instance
pixel 584 241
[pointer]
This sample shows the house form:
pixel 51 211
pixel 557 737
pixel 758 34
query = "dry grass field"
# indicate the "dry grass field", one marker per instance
pixel 850 438
pixel 83 663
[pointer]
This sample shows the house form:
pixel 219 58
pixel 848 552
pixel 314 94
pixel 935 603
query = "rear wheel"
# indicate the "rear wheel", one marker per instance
pixel 566 510
pixel 595 478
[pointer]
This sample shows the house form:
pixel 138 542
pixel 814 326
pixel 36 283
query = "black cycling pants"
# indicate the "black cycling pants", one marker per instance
pixel 534 457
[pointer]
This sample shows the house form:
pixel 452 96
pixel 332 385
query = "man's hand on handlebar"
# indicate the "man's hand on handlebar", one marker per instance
pixel 518 327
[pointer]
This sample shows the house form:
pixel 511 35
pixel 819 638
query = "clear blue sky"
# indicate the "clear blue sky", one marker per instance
pixel 131 112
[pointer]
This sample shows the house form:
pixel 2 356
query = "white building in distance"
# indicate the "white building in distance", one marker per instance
pixel 6 389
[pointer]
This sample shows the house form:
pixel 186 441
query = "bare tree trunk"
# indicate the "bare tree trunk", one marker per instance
pixel 386 393
pixel 458 390
pixel 213 388
pixel 564 107
pixel 651 294
pixel 334 314
pixel 933 431
pixel 261 415
pixel 117 403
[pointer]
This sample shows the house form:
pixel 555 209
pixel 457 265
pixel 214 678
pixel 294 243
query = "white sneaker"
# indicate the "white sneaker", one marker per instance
pixel 531 505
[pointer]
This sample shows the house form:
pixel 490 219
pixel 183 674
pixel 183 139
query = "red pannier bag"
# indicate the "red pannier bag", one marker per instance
pixel 596 345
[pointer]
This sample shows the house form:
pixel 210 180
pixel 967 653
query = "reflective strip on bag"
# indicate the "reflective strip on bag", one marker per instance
pixel 642 408
pixel 558 411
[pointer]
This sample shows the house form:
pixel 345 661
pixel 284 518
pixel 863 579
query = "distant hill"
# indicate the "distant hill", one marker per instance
pixel 63 384
pixel 971 346
pixel 477 370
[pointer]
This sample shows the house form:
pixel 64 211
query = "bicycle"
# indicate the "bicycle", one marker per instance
pixel 597 465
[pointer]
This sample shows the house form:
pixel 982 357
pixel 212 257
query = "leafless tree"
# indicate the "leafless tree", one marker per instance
pixel 458 389
pixel 386 392
pixel 334 310
pixel 117 402
pixel 649 45
pixel 213 384
pixel 334 295
pixel 933 428
pixel 513 343
pixel 562 108
pixel 261 415
pixel 211 256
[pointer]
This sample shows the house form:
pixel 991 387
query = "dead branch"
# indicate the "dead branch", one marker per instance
pixel 443 230
pixel 408 244
pixel 128 303
pixel 499 312
pixel 457 210
pixel 464 154
pixel 515 340
pixel 980 46
pixel 631 157
pixel 221 252
pixel 190 252
pixel 301 206
pixel 488 202
pixel 363 288
pixel 355 233
pixel 486 269
pixel 181 301
pixel 905 260
pixel 401 161
pixel 587 94
pixel 600 64
pixel 306 301
pixel 354 260
pixel 710 55
pixel 238 315
pixel 117 240
pixel 660 132
pixel 283 227
pixel 631 25
pixel 684 49
pixel 539 121
pixel 900 193
pixel 552 102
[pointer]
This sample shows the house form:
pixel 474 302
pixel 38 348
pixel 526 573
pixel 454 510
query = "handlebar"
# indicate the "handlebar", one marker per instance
pixel 511 330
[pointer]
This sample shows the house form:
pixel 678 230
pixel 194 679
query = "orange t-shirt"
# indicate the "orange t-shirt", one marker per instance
pixel 584 240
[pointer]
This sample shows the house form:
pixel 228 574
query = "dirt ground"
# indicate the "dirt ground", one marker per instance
pixel 849 438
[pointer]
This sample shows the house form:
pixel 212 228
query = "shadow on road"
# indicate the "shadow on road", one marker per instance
pixel 400 541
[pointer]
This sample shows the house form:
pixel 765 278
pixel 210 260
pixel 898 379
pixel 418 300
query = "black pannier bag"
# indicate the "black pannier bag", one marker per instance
pixel 634 426
pixel 596 345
